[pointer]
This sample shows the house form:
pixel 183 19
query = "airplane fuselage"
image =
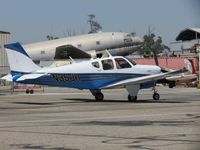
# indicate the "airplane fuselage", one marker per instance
pixel 93 74
pixel 116 42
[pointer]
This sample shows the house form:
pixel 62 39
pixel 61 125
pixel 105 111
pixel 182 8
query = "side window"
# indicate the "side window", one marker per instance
pixel 96 64
pixel 42 52
pixel 122 63
pixel 107 64
pixel 98 42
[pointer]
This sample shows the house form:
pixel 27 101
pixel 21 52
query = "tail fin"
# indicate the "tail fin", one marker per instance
pixel 189 66
pixel 19 60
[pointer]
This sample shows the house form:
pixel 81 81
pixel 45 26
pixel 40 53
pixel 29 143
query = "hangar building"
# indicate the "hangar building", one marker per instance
pixel 189 34
pixel 186 41
pixel 186 46
pixel 4 39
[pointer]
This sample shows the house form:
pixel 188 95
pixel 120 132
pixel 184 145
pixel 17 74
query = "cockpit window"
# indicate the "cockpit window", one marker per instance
pixel 122 63
pixel 107 64
pixel 96 64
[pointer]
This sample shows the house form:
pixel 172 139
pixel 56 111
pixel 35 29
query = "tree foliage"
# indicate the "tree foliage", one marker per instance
pixel 152 45
pixel 94 25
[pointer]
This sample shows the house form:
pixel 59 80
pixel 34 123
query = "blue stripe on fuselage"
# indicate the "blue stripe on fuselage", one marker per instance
pixel 81 81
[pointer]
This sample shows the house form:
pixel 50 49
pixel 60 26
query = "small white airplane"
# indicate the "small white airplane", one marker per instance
pixel 84 46
pixel 94 74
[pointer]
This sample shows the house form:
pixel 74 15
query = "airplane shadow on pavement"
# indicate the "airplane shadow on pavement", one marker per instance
pixel 84 100
pixel 125 101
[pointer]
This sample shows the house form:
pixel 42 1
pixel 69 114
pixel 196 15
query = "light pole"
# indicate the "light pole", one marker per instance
pixel 198 50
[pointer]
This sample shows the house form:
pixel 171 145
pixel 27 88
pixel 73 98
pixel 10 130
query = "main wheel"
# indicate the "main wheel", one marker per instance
pixel 99 96
pixel 132 98
pixel 156 96
pixel 31 91
pixel 27 91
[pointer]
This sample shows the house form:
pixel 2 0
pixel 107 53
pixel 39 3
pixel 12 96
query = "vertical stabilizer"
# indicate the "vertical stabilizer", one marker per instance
pixel 189 66
pixel 19 60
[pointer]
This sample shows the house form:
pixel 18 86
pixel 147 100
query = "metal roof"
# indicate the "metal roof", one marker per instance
pixel 4 32
pixel 188 34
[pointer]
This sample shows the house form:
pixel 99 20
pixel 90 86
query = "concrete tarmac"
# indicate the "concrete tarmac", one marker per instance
pixel 68 119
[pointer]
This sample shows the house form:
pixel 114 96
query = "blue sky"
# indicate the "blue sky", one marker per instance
pixel 30 21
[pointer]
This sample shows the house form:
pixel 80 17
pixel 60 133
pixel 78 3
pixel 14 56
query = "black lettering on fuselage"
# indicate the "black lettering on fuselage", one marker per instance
pixel 66 77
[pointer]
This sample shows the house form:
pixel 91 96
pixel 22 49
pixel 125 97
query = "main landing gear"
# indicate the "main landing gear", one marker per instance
pixel 132 98
pixel 156 96
pixel 133 92
pixel 31 91
pixel 97 94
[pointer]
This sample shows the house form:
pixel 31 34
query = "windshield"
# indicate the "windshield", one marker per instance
pixel 131 61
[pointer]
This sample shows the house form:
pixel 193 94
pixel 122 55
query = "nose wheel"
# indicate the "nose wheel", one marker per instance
pixel 156 96
pixel 99 96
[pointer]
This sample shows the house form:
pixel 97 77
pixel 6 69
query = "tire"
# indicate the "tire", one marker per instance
pixel 99 97
pixel 27 91
pixel 31 91
pixel 156 96
pixel 132 98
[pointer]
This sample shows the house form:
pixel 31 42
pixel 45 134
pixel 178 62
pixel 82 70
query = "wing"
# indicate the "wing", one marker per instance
pixel 144 79
pixel 182 77
pixel 66 51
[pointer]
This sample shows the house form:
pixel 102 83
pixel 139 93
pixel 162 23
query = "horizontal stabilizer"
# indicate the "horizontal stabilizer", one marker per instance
pixel 29 77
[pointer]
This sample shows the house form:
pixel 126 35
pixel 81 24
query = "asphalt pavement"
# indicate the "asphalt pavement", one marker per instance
pixel 68 119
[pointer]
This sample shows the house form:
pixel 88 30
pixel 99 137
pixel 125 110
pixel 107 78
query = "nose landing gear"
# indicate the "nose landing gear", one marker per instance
pixel 97 94
pixel 156 96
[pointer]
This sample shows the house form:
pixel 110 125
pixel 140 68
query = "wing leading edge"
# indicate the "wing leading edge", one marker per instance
pixel 145 79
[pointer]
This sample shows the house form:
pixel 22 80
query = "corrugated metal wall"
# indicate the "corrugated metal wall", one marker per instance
pixel 4 66
pixel 4 39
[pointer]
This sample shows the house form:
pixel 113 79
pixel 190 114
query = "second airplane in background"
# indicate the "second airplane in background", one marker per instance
pixel 84 46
